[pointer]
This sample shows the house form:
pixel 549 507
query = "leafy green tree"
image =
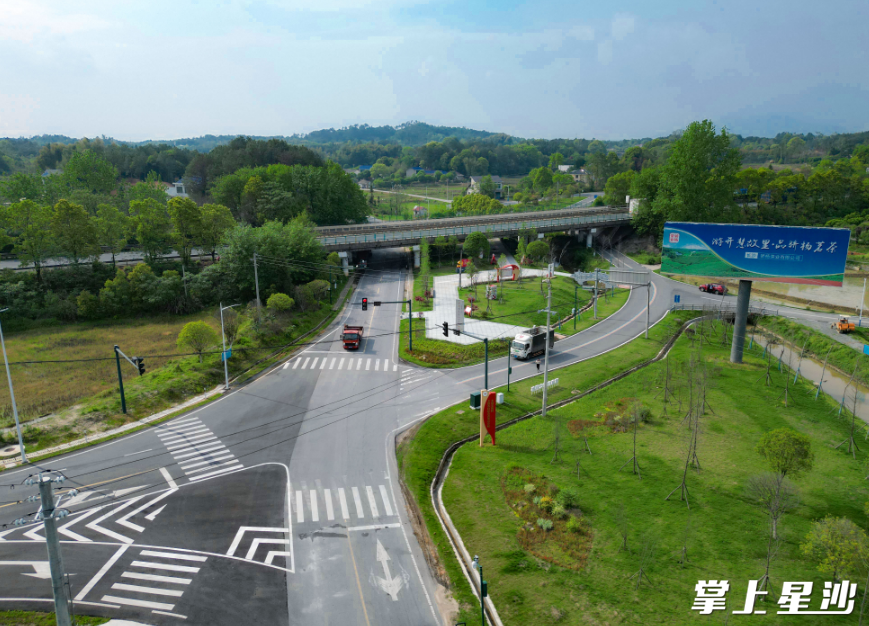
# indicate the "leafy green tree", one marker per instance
pixel 537 249
pixel 151 227
pixel 795 147
pixel 597 147
pixel 786 451
pixel 34 241
pixel 521 252
pixel 75 232
pixel 88 305
pixel 555 159
pixel 698 180
pixel 186 226
pixel 214 221
pixel 476 246
pixel 424 257
pixel 197 336
pixel 280 303
pixel 618 187
pixel 476 204
pixel 542 179
pixel 151 188
pixel 838 545
pixel 112 227
pixel 90 172
pixel 21 186
pixel 487 186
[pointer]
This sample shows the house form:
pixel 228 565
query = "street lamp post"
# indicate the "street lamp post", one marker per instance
pixel 12 395
pixel 223 336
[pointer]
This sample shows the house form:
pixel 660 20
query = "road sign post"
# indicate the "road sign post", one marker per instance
pixel 740 321
pixel 120 381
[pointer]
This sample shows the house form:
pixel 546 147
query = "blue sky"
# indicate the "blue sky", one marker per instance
pixel 543 69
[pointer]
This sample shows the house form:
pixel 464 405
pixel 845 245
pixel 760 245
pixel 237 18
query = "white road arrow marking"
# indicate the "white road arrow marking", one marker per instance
pixel 64 530
pixel 42 569
pixel 390 585
pixel 95 525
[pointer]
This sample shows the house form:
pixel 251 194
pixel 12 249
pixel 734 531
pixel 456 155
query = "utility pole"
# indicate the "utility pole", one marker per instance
pixel 575 305
pixel 12 395
pixel 546 349
pixel 648 304
pixel 256 281
pixel 49 515
pixel 224 356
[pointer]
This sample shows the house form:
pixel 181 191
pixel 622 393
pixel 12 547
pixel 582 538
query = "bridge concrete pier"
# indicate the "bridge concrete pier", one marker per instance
pixel 416 256
pixel 589 239
pixel 345 262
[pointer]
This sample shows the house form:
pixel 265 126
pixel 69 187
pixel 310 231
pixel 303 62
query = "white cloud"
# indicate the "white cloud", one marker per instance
pixel 24 20
pixel 622 26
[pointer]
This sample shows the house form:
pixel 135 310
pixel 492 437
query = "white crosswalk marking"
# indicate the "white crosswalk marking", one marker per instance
pixel 376 365
pixel 296 364
pixel 286 365
pixel 342 500
pixel 314 513
pixel 323 363
pixel 314 362
pixel 300 508
pixel 197 450
pixel 395 367
pixel 327 496
pixel 371 501
pixel 332 364
pixel 305 364
pixel 368 365
pixel 358 501
pixel 358 364
pixel 151 596
pixel 387 507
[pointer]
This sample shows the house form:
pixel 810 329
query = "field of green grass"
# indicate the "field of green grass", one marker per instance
pixel 522 301
pixel 420 455
pixel 93 386
pixel 584 577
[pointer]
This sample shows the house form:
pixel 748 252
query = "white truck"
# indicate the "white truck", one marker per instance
pixel 531 342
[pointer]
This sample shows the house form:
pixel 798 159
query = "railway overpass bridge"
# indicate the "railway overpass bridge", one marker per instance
pixel 583 222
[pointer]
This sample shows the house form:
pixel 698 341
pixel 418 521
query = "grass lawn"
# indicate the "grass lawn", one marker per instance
pixel 520 308
pixel 584 578
pixel 92 386
pixel 645 258
pixel 419 456
pixel 841 356
pixel 37 618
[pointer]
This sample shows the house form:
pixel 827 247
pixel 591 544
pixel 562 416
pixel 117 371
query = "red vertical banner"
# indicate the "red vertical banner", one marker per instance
pixel 488 406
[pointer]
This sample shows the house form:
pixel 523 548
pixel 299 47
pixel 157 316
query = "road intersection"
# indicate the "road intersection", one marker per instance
pixel 280 499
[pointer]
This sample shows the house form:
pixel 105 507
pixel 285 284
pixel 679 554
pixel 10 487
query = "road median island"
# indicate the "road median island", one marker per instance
pixel 551 531
pixel 421 452
pixel 181 385
pixel 520 310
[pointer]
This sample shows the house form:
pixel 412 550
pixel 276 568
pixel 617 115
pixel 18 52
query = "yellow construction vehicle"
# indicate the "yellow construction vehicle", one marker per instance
pixel 843 326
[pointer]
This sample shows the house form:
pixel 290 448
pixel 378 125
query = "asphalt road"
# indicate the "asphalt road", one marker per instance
pixel 279 502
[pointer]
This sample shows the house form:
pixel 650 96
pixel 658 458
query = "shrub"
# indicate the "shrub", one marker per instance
pixel 546 503
pixel 558 511
pixel 568 498
pixel 545 524
pixel 280 302
pixel 574 525
pixel 197 336
pixel 530 487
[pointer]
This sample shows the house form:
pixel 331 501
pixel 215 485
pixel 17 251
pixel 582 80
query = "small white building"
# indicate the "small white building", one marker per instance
pixel 176 190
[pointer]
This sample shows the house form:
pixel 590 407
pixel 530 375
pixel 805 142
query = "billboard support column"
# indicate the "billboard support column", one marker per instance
pixel 742 300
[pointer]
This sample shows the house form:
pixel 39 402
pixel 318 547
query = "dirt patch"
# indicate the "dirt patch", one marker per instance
pixel 420 531
pixel 447 605
pixel 577 426
pixel 617 415
pixel 554 528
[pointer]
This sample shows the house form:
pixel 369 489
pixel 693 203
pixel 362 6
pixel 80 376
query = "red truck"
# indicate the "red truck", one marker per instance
pixel 352 337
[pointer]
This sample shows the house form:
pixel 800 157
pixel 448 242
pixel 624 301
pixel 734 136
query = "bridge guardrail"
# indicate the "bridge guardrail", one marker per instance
pixel 418 233
pixel 725 308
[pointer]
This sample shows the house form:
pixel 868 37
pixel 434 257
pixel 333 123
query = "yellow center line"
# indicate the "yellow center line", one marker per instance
pixel 358 583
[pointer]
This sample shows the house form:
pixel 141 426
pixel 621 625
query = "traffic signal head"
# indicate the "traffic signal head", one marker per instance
pixel 140 363
pixel 446 329
pixel 364 304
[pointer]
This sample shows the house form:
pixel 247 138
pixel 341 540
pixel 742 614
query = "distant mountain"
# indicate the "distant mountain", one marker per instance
pixel 407 134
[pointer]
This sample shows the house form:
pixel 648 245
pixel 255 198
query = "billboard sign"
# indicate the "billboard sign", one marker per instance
pixel 783 254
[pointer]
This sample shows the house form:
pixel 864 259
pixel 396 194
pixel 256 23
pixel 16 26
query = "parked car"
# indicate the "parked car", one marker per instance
pixel 715 288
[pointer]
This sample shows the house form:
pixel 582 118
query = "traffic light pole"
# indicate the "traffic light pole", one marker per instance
pixel 485 341
pixel 120 380
pixel 409 304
